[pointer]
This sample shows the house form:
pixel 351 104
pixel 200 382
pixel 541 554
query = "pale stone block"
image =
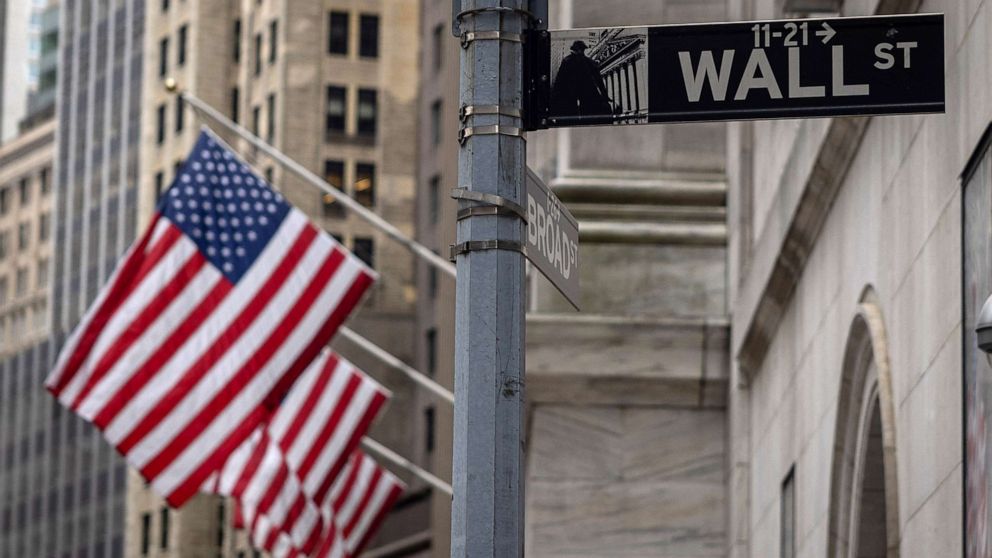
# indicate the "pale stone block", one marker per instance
pixel 926 307
pixel 575 443
pixel 929 430
pixel 673 445
pixel 596 519
pixel 935 530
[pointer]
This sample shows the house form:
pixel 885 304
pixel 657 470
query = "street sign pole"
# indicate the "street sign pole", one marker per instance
pixel 487 465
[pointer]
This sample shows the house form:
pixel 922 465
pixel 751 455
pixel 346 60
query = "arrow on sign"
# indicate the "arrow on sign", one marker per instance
pixel 827 33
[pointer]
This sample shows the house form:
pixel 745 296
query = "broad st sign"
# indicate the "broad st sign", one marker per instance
pixel 552 238
pixel 736 71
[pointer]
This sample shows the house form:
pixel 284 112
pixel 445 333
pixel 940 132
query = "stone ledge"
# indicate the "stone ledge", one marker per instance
pixel 627 361
pixel 700 191
pixel 692 234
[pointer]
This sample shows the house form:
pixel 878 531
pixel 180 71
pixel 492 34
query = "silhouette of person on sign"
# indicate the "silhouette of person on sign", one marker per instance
pixel 579 89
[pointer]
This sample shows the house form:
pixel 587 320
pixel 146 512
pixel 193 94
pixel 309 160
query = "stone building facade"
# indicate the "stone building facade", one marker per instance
pixel 848 338
pixel 25 237
pixel 333 84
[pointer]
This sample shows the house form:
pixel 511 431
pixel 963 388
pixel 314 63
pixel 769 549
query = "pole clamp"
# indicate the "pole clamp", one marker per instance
pixel 490 130
pixel 495 205
pixel 498 9
pixel 478 245
pixel 470 36
pixel 473 110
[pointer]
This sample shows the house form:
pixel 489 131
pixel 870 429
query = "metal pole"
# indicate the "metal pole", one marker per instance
pixel 404 463
pixel 487 466
pixel 385 357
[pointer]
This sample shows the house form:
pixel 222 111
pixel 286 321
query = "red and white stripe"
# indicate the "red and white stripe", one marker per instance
pixel 178 366
pixel 362 497
pixel 309 437
pixel 358 503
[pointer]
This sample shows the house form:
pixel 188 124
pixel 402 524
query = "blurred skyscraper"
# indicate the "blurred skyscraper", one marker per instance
pixel 64 487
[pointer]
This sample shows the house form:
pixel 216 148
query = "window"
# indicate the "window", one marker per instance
pixel 4 200
pixel 270 110
pixel 335 111
pixel 436 122
pixel 24 191
pixel 220 524
pixel 181 54
pixel 337 33
pixel 365 250
pixel 368 36
pixel 23 236
pixel 787 530
pixel 159 185
pixel 44 226
pixel 258 53
pixel 236 41
pixel 146 527
pixel 438 46
pixel 432 280
pixel 269 173
pixel 273 33
pixel 179 113
pixel 164 542
pixel 163 57
pixel 333 175
pixel 434 197
pixel 256 117
pixel 429 420
pixel 3 244
pixel 366 112
pixel 235 104
pixel 365 184
pixel 165 5
pixel 41 279
pixel 430 342
pixel 44 177
pixel 21 282
pixel 160 124
pixel 3 296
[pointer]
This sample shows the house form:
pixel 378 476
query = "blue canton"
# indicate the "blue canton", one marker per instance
pixel 221 205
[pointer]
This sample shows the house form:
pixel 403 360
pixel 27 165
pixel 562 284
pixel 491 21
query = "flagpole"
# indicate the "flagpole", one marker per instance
pixel 417 376
pixel 404 463
pixel 365 213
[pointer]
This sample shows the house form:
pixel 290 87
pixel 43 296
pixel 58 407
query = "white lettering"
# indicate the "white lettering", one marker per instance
pixel 840 89
pixel 884 53
pixel 796 89
pixel 758 62
pixel 695 79
pixel 906 47
pixel 531 220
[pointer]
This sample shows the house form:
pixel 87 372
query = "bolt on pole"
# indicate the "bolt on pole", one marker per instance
pixel 487 468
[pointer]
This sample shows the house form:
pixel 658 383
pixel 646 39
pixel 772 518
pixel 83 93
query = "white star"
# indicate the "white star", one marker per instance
pixel 238 237
pixel 240 251
pixel 204 191
pixel 226 252
pixel 249 221
pixel 272 208
pixel 266 194
pixel 231 207
pixel 197 166
pixel 189 190
pixel 210 249
pixel 254 192
pixel 205 154
pixel 223 237
pixel 210 235
pixel 235 222
pixel 222 222
pixel 241 192
pixel 263 220
pixel 177 204
pixel 228 267
pixel 180 217
pixel 184 177
pixel 200 178
pixel 197 233
pixel 208 220
pixel 252 236
pixel 195 217
pixel 207 205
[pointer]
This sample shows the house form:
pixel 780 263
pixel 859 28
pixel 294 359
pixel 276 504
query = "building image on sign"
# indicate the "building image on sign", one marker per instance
pixel 600 76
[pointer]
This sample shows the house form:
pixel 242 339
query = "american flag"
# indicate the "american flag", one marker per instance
pixel 358 503
pixel 206 322
pixel 281 476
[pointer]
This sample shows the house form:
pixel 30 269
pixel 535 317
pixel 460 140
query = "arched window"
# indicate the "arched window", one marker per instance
pixel 864 510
